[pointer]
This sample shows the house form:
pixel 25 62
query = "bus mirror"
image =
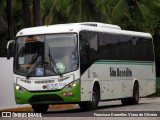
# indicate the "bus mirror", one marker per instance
pixel 10 48
pixel 8 54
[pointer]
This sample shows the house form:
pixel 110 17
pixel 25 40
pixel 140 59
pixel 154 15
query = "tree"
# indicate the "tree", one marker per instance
pixel 129 14
pixel 64 11
pixel 137 15
pixel 141 15
pixel 57 12
pixel 112 11
pixel 83 10
pixel 26 13
pixel 2 20
pixel 9 20
pixel 156 34
pixel 37 21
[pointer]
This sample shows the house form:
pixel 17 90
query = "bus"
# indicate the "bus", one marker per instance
pixel 81 63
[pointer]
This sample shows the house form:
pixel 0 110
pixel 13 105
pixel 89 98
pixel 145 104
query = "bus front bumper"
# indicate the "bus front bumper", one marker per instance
pixel 48 97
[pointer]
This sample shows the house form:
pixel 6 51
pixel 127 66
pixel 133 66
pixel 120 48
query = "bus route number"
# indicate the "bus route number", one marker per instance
pixel 51 87
pixel 55 86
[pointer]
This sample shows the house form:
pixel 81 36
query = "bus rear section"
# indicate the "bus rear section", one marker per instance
pixel 116 65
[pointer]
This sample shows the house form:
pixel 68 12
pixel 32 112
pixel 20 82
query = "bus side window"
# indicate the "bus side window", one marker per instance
pixel 93 46
pixel 108 46
pixel 83 48
pixel 88 47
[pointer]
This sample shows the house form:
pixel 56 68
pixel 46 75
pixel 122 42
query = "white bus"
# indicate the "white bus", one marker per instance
pixel 81 63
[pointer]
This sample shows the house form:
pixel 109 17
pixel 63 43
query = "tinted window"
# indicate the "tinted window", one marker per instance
pixel 105 46
pixel 123 47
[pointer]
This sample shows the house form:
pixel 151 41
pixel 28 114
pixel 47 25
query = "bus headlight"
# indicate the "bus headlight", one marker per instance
pixel 72 84
pixel 18 87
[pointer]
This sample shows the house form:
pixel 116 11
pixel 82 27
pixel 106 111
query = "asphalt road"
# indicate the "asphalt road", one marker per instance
pixel 147 109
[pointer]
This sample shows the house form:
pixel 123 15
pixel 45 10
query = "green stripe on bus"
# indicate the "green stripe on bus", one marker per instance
pixel 125 62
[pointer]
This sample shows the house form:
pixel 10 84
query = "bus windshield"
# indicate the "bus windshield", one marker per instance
pixel 46 55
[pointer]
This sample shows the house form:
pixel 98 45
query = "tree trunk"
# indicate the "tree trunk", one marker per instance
pixel 4 24
pixel 26 13
pixel 9 20
pixel 37 21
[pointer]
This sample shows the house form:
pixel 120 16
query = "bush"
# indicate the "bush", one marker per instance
pixel 157 91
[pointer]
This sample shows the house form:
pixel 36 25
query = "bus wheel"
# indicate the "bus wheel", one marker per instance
pixel 40 108
pixel 91 105
pixel 134 99
pixel 125 101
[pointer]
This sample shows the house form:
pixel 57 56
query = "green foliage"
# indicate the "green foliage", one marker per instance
pixel 157 86
pixel 138 15
pixel 119 11
pixel 57 12
pixel 157 91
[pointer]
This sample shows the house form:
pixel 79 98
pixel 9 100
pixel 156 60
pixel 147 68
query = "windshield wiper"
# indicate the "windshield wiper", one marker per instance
pixel 34 66
pixel 54 63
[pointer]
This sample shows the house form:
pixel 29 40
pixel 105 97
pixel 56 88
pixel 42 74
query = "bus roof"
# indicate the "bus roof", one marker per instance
pixel 76 27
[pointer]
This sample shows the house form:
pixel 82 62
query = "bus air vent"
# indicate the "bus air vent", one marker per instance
pixel 102 25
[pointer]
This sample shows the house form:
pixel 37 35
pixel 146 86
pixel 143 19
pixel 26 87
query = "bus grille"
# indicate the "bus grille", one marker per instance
pixel 43 98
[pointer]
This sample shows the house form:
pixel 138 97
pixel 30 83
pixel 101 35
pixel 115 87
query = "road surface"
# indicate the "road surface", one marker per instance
pixel 147 107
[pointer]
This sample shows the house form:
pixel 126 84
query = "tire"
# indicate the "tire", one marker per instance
pixel 135 97
pixel 126 101
pixel 91 105
pixel 40 108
